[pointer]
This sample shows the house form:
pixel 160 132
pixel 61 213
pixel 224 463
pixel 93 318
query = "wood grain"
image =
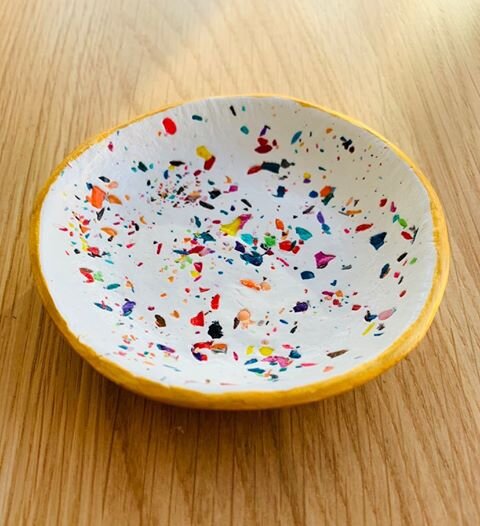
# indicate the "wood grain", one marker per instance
pixel 76 449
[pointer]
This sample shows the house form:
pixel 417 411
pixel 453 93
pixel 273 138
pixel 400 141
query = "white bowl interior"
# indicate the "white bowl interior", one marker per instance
pixel 238 244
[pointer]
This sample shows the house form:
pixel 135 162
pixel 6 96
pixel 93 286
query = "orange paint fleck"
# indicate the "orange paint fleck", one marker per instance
pixel 111 232
pixel 219 347
pixel 96 197
pixel 250 284
pixel 175 314
pixel 326 190
pixel 279 224
pixel 113 199
pixel 328 130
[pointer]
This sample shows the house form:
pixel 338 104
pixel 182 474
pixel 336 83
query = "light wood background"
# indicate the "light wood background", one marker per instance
pixel 76 449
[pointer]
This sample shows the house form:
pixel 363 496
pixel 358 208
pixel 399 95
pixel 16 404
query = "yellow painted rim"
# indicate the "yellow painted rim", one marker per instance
pixel 255 399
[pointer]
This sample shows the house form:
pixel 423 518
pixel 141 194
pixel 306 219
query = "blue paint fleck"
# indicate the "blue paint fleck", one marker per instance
pixel 378 240
pixel 295 137
pixel 307 274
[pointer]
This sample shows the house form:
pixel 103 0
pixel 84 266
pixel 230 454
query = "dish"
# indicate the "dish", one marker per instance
pixel 240 252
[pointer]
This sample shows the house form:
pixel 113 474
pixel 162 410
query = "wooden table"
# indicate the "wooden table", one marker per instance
pixel 76 449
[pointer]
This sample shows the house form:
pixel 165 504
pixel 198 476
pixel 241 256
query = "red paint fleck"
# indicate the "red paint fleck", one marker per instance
pixel 263 146
pixel 110 146
pixel 283 261
pixel 215 303
pixel 403 293
pixel 198 320
pixel 296 249
pixel 88 274
pixel 159 248
pixel 196 250
pixel 207 165
pixel 94 251
pixel 254 169
pixel 393 208
pixel 198 266
pixel 169 125
pixel 383 202
pixel 285 245
pixel 364 226
pixel 356 307
pixel 407 235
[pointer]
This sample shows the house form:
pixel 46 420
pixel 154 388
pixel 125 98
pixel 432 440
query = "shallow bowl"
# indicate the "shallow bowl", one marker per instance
pixel 240 252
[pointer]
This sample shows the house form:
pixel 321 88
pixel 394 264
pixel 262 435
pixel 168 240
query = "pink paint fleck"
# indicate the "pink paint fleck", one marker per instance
pixel 322 259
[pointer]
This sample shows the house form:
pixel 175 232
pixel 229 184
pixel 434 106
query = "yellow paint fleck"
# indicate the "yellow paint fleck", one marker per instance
pixel 232 228
pixel 203 153
pixel 368 329
pixel 266 351
pixel 84 244
pixel 250 349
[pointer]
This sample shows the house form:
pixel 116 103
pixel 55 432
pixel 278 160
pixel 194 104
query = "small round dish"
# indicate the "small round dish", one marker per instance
pixel 240 252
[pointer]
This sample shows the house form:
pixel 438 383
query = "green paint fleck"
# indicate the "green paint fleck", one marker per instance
pixel 413 261
pixel 97 276
pixel 245 130
pixel 197 118
pixel 113 286
pixel 402 222
pixel 243 108
pixel 395 218
pixel 270 241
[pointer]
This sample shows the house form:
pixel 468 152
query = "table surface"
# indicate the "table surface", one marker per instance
pixel 77 449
